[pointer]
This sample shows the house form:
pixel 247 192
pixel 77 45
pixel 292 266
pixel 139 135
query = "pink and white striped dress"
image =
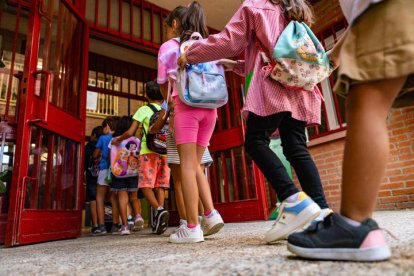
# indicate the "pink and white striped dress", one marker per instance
pixel 258 20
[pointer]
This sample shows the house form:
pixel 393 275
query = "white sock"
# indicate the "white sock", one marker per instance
pixel 351 221
pixel 160 208
pixel 293 198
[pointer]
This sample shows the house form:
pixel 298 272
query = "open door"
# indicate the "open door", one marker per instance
pixel 237 185
pixel 46 197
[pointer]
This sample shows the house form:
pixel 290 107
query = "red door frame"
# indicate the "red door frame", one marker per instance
pixel 28 225
pixel 228 136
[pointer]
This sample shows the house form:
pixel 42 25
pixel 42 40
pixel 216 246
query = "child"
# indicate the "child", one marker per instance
pixel 270 106
pixel 154 174
pixel 102 150
pixel 193 128
pixel 91 180
pixel 376 72
pixel 125 189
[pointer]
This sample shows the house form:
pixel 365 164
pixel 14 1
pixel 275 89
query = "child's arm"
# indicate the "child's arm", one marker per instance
pixel 96 153
pixel 129 133
pixel 237 67
pixel 231 42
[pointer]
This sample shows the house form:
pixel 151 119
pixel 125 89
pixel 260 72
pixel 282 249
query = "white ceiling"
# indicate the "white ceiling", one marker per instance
pixel 218 12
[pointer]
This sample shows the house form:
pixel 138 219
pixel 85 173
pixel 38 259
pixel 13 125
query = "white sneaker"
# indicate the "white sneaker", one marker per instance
pixel 183 223
pixel 187 235
pixel 212 223
pixel 292 216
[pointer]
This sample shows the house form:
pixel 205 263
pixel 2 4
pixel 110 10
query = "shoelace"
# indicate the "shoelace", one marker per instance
pixel 280 207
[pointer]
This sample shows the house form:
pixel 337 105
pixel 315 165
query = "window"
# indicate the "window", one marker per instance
pixel 115 88
pixel 333 109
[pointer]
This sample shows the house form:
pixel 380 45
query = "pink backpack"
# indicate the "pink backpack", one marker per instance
pixel 124 158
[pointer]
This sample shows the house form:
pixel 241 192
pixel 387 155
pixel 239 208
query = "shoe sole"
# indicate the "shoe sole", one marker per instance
pixel 215 229
pixel 138 226
pixel 186 240
pixel 374 254
pixel 306 216
pixel 162 223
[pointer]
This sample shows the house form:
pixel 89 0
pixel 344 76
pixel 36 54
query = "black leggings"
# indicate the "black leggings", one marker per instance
pixel 292 134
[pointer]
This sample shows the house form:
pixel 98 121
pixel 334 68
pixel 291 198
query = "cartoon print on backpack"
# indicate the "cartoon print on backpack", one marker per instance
pixel 122 155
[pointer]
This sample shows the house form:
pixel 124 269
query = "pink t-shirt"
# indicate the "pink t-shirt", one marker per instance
pixel 167 63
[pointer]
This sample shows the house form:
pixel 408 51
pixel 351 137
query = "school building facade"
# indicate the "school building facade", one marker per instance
pixel 67 64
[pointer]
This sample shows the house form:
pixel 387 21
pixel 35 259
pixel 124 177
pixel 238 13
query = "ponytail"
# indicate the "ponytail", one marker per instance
pixel 194 20
pixel 298 10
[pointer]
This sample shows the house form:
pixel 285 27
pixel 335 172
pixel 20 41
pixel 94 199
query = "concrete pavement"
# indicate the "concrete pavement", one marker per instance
pixel 237 250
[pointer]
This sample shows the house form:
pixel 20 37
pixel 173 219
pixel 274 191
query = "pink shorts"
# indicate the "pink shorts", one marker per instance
pixel 153 171
pixel 192 124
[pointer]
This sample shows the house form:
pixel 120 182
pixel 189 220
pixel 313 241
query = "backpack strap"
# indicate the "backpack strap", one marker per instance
pixel 153 108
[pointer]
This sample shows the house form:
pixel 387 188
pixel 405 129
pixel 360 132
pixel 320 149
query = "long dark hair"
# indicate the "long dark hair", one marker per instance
pixel 194 20
pixel 298 10
pixel 177 14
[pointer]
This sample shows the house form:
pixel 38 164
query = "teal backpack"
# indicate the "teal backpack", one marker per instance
pixel 299 59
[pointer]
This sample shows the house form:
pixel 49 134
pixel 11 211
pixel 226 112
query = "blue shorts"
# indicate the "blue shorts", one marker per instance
pixel 129 184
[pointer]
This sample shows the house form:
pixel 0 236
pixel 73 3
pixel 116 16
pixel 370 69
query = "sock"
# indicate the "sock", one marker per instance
pixel 206 214
pixel 129 217
pixel 293 198
pixel 138 216
pixel 160 208
pixel 191 226
pixel 351 221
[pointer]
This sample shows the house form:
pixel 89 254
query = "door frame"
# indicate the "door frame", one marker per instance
pixel 18 228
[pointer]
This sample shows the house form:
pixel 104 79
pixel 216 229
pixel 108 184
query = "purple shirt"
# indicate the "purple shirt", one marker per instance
pixel 258 20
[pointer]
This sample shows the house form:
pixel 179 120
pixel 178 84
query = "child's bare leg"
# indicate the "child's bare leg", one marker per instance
pixel 189 165
pixel 179 200
pixel 135 203
pixel 203 186
pixel 150 196
pixel 94 214
pixel 367 145
pixel 123 206
pixel 115 208
pixel 160 192
pixel 100 200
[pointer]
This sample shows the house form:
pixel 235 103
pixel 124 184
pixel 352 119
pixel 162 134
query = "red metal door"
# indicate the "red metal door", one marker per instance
pixel 237 186
pixel 45 199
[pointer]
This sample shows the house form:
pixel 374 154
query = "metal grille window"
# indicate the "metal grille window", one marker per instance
pixel 115 87
pixel 134 20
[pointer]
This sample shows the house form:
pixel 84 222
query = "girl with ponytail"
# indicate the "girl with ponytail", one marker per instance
pixel 193 128
pixel 269 106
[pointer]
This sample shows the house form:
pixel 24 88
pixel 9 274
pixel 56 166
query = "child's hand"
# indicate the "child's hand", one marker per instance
pixel 115 141
pixel 182 61
pixel 334 60
pixel 228 64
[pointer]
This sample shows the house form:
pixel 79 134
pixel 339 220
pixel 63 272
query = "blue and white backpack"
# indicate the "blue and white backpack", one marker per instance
pixel 201 85
pixel 299 60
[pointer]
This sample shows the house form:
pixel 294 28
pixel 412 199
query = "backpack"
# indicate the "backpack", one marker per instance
pixel 124 158
pixel 156 142
pixel 299 59
pixel 94 167
pixel 201 85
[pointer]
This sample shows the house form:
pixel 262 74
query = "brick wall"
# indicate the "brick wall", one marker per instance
pixel 326 14
pixel 397 187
